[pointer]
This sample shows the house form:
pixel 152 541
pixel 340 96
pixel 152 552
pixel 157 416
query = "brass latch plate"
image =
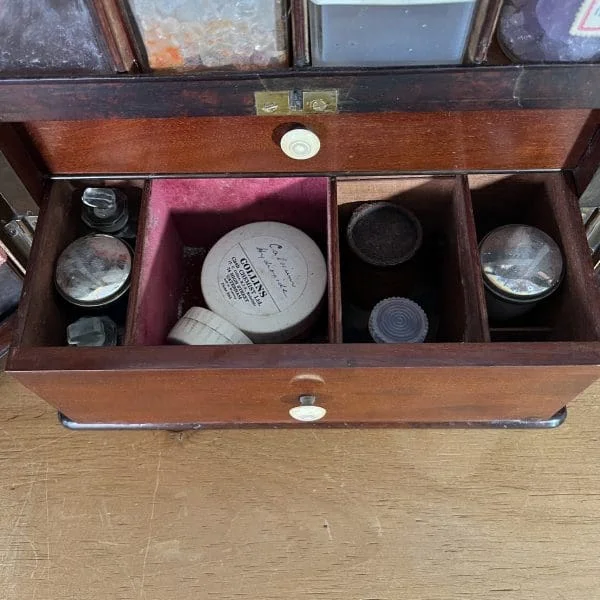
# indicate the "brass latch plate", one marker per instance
pixel 296 102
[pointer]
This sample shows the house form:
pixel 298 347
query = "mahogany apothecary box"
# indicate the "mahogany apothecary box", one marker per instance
pixel 463 147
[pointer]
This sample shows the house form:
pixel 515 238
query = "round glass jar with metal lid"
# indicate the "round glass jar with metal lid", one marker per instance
pixel 521 265
pixel 94 270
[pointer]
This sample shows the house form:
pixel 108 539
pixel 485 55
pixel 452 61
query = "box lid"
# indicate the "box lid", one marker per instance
pixel 390 2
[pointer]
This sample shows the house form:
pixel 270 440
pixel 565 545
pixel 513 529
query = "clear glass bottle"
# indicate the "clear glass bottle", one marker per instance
pixel 104 210
pixel 521 265
pixel 94 270
pixel 92 331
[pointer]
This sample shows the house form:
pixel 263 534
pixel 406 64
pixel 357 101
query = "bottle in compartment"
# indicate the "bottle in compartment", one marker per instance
pixel 398 321
pixel 383 239
pixel 383 234
pixel 106 210
pixel 92 277
pixel 93 331
pixel 94 271
pixel 371 33
pixel 521 265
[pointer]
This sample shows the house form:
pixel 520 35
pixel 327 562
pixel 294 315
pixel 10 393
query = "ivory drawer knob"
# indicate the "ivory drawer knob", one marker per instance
pixel 308 410
pixel 300 144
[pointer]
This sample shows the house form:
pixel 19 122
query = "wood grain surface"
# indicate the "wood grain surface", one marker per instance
pixel 222 93
pixel 17 153
pixel 393 142
pixel 264 397
pixel 361 514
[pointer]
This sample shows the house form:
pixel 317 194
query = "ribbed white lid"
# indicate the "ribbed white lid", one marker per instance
pixel 202 327
pixel 300 144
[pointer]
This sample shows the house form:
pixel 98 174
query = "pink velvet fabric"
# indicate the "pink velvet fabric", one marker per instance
pixel 196 213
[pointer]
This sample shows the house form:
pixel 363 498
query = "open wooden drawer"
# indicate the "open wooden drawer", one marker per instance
pixel 469 370
pixel 466 371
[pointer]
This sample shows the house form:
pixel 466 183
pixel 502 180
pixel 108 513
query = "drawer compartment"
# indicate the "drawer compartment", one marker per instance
pixel 443 275
pixel 60 224
pixel 572 312
pixel 465 372
pixel 184 218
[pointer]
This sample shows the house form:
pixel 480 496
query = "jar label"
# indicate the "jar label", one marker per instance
pixel 263 275
pixel 587 21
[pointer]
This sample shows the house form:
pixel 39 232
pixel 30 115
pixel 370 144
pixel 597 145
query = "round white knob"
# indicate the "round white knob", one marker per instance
pixel 300 144
pixel 307 413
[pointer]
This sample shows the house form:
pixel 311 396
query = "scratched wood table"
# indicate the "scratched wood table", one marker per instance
pixel 338 515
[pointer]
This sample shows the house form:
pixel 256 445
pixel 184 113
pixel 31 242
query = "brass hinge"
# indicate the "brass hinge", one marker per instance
pixel 295 102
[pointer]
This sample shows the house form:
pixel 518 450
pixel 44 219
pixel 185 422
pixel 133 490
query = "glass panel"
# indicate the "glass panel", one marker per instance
pixel 51 36
pixel 187 35
pixel 389 32
pixel 550 30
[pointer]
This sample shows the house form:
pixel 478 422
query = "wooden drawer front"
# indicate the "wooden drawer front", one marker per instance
pixel 441 141
pixel 470 370
pixel 264 396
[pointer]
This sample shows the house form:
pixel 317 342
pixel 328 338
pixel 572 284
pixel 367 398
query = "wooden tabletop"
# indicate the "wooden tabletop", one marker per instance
pixel 288 514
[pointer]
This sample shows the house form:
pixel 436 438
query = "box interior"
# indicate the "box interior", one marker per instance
pixel 532 199
pixel 433 278
pixel 184 218
pixel 59 225
pixel 180 219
